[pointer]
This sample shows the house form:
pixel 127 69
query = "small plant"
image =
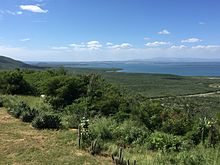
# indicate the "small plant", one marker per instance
pixel 17 109
pixel 47 121
pixel 131 132
pixel 28 115
pixel 84 136
pixel 102 128
pixel 70 121
pixel 164 142
pixel 191 158
pixel 120 159
pixel 95 147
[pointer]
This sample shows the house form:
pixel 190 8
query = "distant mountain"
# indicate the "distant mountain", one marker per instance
pixel 167 59
pixel 9 63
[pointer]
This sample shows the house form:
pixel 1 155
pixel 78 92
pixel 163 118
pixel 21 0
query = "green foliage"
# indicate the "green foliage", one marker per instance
pixel 164 142
pixel 131 132
pixel 96 147
pixel 218 118
pixel 12 82
pixel 150 113
pixel 28 115
pixel 70 121
pixel 102 128
pixel 79 109
pixel 117 117
pixel 191 158
pixel 63 90
pixel 103 97
pixel 205 131
pixel 47 121
pixel 17 109
pixel 176 122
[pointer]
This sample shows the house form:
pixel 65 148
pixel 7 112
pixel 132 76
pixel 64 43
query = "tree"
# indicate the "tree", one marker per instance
pixel 12 82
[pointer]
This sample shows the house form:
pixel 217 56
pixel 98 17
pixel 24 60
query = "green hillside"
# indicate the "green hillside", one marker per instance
pixel 9 63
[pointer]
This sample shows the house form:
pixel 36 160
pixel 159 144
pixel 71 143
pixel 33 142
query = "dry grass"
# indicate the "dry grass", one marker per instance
pixel 22 144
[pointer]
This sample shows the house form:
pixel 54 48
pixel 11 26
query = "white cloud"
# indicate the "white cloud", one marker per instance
pixel 77 46
pixel 164 32
pixel 109 44
pixel 157 43
pixel 191 40
pixel 59 48
pixel 11 12
pixel 122 46
pixel 213 47
pixel 25 39
pixel 200 51
pixel 178 47
pixel 94 45
pixel 33 8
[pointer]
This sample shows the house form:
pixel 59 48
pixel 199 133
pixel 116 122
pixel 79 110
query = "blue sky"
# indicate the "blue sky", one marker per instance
pixel 96 30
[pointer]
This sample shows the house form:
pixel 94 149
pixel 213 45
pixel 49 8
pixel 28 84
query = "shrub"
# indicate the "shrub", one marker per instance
pixel 70 121
pixel 42 106
pixel 102 128
pixel 131 132
pixel 96 147
pixel 176 122
pixel 47 120
pixel 164 142
pixel 191 158
pixel 17 109
pixel 29 115
pixel 9 101
pixel 205 131
pixel 79 109
pixel 13 82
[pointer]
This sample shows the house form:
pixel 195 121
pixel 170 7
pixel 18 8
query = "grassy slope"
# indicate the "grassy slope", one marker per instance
pixel 22 144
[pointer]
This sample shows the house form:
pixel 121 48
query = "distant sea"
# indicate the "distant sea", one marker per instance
pixel 176 68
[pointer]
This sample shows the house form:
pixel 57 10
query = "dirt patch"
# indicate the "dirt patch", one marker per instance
pixel 73 130
pixel 5 118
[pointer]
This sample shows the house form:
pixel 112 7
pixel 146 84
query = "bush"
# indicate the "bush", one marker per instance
pixel 191 158
pixel 13 82
pixel 47 120
pixel 17 109
pixel 131 132
pixel 79 109
pixel 29 115
pixel 176 122
pixel 164 142
pixel 96 147
pixel 70 121
pixel 102 128
pixel 9 101
pixel 206 131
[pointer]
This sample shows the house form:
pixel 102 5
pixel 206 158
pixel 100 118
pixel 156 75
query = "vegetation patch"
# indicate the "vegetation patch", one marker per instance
pixel 110 119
